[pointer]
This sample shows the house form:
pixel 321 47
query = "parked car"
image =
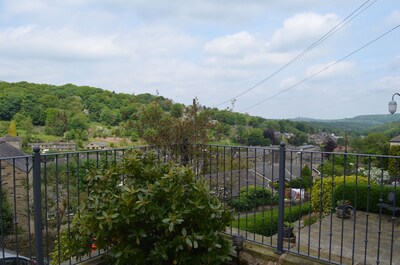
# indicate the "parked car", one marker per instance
pixel 9 257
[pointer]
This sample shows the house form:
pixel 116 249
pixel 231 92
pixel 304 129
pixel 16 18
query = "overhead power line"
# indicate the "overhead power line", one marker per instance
pixel 341 24
pixel 323 69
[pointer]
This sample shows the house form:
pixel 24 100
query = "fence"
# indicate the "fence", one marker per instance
pixel 337 207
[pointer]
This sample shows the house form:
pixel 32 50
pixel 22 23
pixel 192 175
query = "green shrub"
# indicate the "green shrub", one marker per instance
pixel 6 217
pixel 252 197
pixel 322 191
pixel 266 223
pixel 160 215
pixel 394 163
pixel 305 181
pixel 367 198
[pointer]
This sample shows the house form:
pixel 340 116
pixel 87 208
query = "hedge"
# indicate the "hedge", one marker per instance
pixel 266 223
pixel 252 197
pixel 321 194
pixel 365 200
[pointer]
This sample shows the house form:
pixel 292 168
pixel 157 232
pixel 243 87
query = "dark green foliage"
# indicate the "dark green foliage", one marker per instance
pixel 270 134
pixel 56 122
pixel 305 181
pixel 366 199
pixel 6 217
pixel 252 197
pixel 374 143
pixel 330 145
pixel 322 197
pixel 266 223
pixel 177 110
pixel 159 214
pixel 299 139
pixel 255 137
pixel 229 117
pixel 394 163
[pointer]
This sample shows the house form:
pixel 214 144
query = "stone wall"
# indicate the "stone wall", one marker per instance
pixel 15 184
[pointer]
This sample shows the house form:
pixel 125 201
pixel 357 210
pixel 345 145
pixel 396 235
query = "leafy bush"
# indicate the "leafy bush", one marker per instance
pixel 323 189
pixel 394 164
pixel 266 223
pixel 367 196
pixel 305 181
pixel 253 197
pixel 158 214
pixel 6 217
pixel 375 174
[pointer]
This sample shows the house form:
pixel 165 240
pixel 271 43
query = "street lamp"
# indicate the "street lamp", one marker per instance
pixel 238 245
pixel 393 104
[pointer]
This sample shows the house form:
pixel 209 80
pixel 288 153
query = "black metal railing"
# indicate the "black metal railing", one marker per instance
pixel 342 207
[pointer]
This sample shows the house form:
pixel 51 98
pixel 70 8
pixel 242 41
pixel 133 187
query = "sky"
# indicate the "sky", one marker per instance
pixel 277 59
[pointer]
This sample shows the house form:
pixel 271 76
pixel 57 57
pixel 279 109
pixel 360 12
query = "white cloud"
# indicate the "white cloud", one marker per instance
pixel 21 6
pixel 394 17
pixel 341 69
pixel 300 29
pixel 287 82
pixel 32 42
pixel 388 83
pixel 243 49
pixel 232 45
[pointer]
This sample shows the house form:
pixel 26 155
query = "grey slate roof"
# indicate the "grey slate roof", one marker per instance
pixel 395 139
pixel 8 151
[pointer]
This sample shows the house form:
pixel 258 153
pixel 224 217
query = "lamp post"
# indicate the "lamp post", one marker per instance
pixel 393 104
pixel 238 245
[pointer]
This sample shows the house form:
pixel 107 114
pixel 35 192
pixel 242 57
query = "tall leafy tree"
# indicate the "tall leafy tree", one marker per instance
pixel 56 122
pixel 330 145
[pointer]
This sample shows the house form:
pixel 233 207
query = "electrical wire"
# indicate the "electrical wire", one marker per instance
pixel 341 24
pixel 323 69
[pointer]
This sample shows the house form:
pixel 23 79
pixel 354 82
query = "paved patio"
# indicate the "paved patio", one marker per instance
pixel 379 244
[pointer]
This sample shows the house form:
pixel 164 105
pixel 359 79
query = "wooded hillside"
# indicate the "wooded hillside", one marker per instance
pixel 80 113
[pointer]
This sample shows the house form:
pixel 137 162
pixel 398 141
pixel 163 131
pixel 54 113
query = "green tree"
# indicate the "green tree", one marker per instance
pixel 373 143
pixel 108 116
pixel 177 110
pixel 330 145
pixel 56 122
pixel 394 163
pixel 162 214
pixel 256 137
pixel 298 139
pixel 12 128
pixel 78 122
pixel 270 134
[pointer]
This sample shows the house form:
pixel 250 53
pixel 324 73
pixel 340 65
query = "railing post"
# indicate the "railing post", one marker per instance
pixel 281 198
pixel 37 204
pixel 185 152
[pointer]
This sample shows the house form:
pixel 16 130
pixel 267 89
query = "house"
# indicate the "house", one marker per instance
pixel 56 146
pixel 15 178
pixel 96 145
pixel 11 140
pixel 395 141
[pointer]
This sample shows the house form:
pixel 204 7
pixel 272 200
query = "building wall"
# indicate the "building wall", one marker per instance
pixel 14 183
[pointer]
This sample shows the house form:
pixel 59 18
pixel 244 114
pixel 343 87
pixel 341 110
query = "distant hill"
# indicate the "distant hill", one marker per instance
pixel 358 123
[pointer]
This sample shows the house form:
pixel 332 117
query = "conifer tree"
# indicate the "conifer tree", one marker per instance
pixel 12 129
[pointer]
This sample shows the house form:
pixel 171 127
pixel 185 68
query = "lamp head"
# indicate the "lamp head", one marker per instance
pixel 238 242
pixel 392 107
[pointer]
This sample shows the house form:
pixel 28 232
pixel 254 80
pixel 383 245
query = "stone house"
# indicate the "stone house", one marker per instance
pixel 56 146
pixel 15 178
pixel 96 145
pixel 11 140
pixel 395 141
